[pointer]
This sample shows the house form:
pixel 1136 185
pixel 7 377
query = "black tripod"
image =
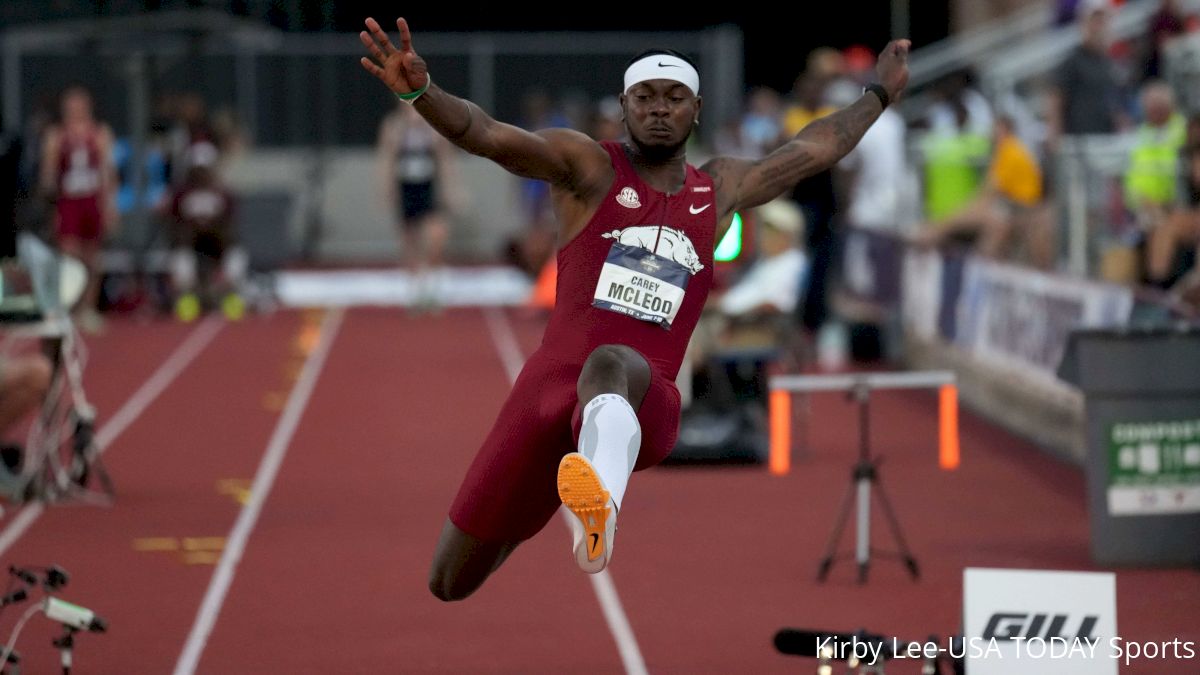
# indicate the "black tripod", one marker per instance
pixel 66 645
pixel 864 476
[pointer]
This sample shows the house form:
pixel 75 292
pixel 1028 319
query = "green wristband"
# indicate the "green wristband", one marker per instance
pixel 412 96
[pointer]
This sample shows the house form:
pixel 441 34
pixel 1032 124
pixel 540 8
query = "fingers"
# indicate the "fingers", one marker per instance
pixel 371 68
pixel 372 47
pixel 405 35
pixel 379 36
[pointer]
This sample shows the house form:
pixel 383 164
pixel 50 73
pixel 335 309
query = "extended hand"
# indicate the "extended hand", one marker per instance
pixel 892 68
pixel 400 69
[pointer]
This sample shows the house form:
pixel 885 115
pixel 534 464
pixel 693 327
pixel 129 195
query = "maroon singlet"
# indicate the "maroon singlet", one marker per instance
pixel 611 290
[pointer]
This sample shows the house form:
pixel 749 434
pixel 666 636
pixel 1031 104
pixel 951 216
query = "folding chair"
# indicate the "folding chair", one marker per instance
pixel 60 456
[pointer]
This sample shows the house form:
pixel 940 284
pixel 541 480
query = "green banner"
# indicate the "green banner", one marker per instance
pixel 1154 467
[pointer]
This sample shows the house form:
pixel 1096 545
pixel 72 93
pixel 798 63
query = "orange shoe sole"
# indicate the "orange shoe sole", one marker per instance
pixel 584 495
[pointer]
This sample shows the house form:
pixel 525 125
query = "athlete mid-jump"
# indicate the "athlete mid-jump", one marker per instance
pixel 635 260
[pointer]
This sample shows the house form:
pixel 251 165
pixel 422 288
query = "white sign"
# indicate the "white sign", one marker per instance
pixel 921 301
pixel 1039 623
pixel 638 294
pixel 1021 319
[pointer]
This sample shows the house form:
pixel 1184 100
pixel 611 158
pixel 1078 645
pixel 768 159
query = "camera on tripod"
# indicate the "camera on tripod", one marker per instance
pixel 72 617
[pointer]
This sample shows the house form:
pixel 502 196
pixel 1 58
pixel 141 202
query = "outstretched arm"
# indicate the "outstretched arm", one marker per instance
pixel 454 197
pixel 742 184
pixel 564 158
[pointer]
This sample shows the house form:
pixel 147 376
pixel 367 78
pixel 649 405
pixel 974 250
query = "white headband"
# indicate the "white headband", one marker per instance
pixel 662 67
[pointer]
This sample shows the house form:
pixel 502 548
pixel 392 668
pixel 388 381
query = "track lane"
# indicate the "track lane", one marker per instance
pixel 340 557
pixel 203 428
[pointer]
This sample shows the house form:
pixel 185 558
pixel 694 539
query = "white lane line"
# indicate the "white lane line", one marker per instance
pixel 264 478
pixel 150 390
pixel 506 342
pixel 21 522
pixel 606 591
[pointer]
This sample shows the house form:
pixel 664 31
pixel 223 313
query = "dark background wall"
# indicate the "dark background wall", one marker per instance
pixel 777 40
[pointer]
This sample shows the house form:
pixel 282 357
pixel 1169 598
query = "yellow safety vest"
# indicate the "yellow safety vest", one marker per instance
pixel 1152 175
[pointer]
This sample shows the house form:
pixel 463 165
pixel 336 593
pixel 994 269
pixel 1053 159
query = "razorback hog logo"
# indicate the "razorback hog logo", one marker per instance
pixel 672 244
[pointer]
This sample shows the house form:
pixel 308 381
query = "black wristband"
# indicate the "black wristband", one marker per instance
pixel 880 92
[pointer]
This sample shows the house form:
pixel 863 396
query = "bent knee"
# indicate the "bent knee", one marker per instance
pixel 615 357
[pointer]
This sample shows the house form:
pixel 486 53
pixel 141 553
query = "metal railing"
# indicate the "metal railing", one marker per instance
pixel 976 46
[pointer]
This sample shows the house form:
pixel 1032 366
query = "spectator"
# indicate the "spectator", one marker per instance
pixel 760 126
pixel 1173 244
pixel 876 175
pixel 826 63
pixel 807 102
pixel 954 158
pixel 959 87
pixel 767 293
pixel 154 187
pixel 876 191
pixel 815 196
pixel 78 174
pixel 189 125
pixel 418 173
pixel 773 284
pixel 1168 22
pixel 228 133
pixel 1010 204
pixel 1152 175
pixel 1085 98
pixel 207 265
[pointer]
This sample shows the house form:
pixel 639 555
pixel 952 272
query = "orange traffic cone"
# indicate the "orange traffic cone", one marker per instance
pixel 545 287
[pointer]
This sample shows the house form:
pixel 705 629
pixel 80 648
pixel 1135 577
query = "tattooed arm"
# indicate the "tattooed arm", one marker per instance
pixel 741 184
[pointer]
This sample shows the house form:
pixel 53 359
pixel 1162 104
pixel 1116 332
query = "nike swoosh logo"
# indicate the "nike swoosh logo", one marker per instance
pixel 595 540
pixel 695 210
pixel 667 65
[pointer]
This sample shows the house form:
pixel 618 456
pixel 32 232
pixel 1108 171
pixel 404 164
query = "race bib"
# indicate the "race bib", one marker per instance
pixel 80 178
pixel 416 167
pixel 638 283
pixel 81 182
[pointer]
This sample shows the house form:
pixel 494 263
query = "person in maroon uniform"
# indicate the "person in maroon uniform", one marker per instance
pixel 207 264
pixel 635 262
pixel 78 173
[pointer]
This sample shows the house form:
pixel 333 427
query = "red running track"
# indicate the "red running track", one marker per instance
pixel 712 560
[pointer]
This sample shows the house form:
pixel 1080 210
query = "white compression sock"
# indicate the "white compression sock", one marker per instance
pixel 611 438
